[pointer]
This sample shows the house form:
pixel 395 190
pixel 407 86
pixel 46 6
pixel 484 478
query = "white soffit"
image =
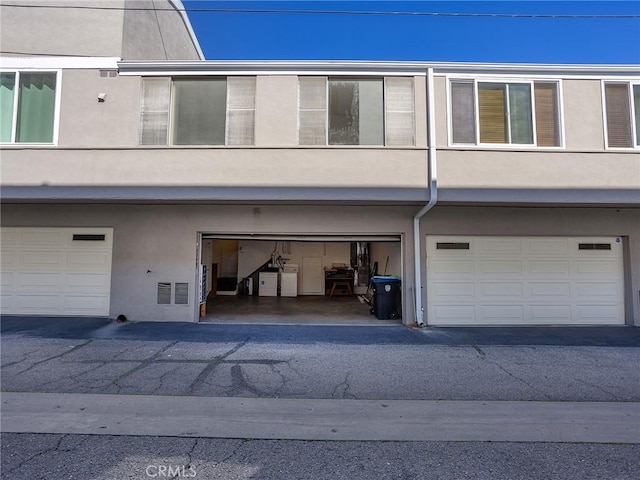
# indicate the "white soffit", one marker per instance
pixel 40 63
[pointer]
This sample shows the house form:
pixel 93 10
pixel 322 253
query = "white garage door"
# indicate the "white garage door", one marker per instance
pixel 56 271
pixel 524 280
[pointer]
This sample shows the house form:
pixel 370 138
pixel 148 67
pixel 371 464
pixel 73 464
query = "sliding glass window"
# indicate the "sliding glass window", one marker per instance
pixel 27 107
pixel 512 113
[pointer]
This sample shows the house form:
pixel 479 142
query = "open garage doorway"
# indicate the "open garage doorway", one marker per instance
pixel 286 279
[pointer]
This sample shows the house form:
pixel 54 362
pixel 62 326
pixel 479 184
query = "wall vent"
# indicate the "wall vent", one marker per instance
pixel 164 293
pixel 182 294
pixel 452 246
pixel 88 237
pixel 594 246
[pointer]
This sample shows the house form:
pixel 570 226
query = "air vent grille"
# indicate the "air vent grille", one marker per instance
pixel 452 245
pixel 164 293
pixel 88 237
pixel 594 246
pixel 182 294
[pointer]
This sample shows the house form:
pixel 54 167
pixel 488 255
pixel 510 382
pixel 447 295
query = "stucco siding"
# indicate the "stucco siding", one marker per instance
pixel 155 35
pixel 340 167
pixel 162 240
pixel 485 168
pixel 85 122
pixel 62 31
pixel 583 118
pixel 276 111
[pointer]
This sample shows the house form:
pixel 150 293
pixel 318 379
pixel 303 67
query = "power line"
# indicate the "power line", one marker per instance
pixel 339 12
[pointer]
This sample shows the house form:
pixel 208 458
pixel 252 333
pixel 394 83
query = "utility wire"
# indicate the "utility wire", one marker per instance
pixel 339 12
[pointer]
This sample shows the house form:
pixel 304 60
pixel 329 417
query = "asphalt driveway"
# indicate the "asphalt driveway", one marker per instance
pixel 389 362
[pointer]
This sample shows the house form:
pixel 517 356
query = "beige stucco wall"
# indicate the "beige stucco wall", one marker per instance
pixel 276 111
pixel 339 167
pixel 109 30
pixel 583 119
pixel 163 239
pixel 548 169
pixel 582 163
pixel 62 31
pixel 155 35
pixel 85 122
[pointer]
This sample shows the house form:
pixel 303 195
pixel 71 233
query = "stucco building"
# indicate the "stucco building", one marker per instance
pixel 498 193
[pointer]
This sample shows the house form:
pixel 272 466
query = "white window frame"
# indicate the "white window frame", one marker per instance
pixel 475 80
pixel 328 113
pixel 56 108
pixel 630 83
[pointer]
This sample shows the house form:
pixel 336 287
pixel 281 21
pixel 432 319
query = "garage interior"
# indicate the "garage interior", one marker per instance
pixel 311 280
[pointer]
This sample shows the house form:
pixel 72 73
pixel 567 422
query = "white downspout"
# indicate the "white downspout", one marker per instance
pixel 432 180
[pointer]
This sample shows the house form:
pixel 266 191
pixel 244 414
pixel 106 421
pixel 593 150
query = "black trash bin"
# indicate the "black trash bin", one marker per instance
pixel 386 297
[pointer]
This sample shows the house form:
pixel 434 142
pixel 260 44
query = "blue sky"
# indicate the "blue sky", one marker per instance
pixel 332 36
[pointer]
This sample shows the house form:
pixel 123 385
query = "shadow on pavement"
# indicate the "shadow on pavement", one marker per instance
pixel 105 328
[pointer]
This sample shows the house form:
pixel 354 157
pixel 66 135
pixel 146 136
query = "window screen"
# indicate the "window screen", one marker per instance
pixel 241 110
pixel 399 111
pixel 463 113
pixel 154 108
pixel 312 116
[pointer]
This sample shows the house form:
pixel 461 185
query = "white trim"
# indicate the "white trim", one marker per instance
pixel 56 113
pixel 16 96
pixel 534 77
pixel 55 63
pixel 562 132
pixel 324 67
pixel 634 114
pixel 634 144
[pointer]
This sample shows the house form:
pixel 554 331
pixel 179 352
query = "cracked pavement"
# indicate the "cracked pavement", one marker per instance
pixel 232 364
pixel 320 370
pixel 106 457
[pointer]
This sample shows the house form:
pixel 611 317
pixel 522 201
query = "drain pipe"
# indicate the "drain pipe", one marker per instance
pixel 432 180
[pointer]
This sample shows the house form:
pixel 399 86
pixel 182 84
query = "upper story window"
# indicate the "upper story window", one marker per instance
pixel 372 111
pixel 514 113
pixel 27 107
pixel 198 111
pixel 622 112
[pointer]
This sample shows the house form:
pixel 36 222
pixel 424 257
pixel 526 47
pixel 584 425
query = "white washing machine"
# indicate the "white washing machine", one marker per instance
pixel 268 284
pixel 289 280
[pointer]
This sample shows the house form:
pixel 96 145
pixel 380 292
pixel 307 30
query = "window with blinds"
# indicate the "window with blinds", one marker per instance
pixel 198 111
pixel 356 111
pixel 515 113
pixel 622 112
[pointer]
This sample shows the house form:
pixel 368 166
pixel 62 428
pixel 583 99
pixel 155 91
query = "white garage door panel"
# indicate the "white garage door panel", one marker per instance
pixel 524 281
pixel 46 272
pixel 82 304
pixel 38 303
pixel 39 281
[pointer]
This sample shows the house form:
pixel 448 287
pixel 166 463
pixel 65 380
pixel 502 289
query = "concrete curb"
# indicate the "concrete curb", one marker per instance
pixel 305 419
